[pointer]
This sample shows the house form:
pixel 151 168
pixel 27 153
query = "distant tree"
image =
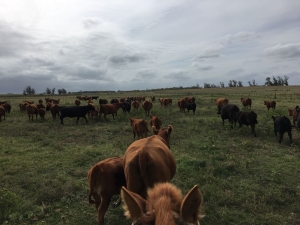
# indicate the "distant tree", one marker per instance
pixel 48 91
pixel 240 84
pixel 28 91
pixel 275 81
pixel 268 82
pixel 53 91
pixel 222 85
pixel 61 91
pixel 197 85
pixel 285 80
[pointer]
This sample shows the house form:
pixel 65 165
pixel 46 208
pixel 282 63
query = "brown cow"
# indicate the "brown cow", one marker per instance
pixel 166 102
pixel 220 102
pixel 40 101
pixel 31 110
pixel 149 161
pixel 54 110
pixel 164 205
pixel 105 180
pixel 139 127
pixel 7 107
pixel 110 109
pixel 147 106
pixel 2 113
pixel 42 113
pixel 77 102
pixel 293 114
pixel 156 122
pixel 181 104
pixel 270 104
pixel 246 102
pixel 56 101
pixel 135 104
pixel 40 106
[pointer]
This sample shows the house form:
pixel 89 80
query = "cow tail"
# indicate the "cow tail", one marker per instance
pixel 143 163
pixel 92 177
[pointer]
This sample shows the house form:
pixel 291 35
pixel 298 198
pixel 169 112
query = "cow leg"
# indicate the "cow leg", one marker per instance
pixel 85 119
pixel 61 120
pixel 280 137
pixel 103 208
pixel 290 136
pixel 252 130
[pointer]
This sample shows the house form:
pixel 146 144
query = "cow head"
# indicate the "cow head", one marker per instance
pixel 164 133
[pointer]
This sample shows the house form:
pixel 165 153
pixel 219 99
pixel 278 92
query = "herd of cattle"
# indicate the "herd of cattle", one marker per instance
pixel 142 175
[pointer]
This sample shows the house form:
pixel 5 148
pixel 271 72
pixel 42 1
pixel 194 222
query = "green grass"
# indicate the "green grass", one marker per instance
pixel 243 179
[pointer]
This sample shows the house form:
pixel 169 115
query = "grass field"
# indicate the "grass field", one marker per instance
pixel 243 179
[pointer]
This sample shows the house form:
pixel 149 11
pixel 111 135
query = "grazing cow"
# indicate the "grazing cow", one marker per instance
pixel 190 106
pixel 54 108
pixel 95 97
pixel 135 104
pixel 105 180
pixel 164 205
pixel 42 113
pixel 75 111
pixel 220 102
pixel 156 122
pixel 31 110
pixel 246 102
pixel 270 104
pixel 181 104
pixel 2 113
pixel 139 127
pixel 77 102
pixel 148 161
pixel 102 101
pixel 229 112
pixel 282 124
pixel 110 109
pixel 247 118
pixel 147 106
pixel 114 100
pixel 293 114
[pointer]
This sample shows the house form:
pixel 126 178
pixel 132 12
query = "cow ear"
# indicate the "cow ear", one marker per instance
pixel 191 205
pixel 170 128
pixel 134 205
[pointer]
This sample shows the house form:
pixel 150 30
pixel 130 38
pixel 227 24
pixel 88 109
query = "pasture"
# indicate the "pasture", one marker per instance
pixel 243 179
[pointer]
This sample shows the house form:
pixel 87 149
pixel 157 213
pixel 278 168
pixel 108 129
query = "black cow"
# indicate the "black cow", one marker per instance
pixel 247 118
pixel 102 101
pixel 190 106
pixel 75 111
pixel 298 117
pixel 282 124
pixel 114 100
pixel 126 107
pixel 95 97
pixel 229 112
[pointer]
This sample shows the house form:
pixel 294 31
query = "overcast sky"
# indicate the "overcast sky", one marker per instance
pixel 125 45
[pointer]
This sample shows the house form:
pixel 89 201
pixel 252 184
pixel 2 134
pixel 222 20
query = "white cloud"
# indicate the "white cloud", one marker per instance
pixel 286 51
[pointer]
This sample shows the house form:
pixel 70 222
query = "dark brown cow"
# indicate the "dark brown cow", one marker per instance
pixel 7 107
pixel 156 122
pixel 229 112
pixel 56 101
pixel 247 118
pixel 2 113
pixel 149 161
pixel 31 110
pixel 110 109
pixel 40 101
pixel 139 127
pixel 247 102
pixel 282 124
pixel 270 104
pixel 42 113
pixel 40 106
pixel 135 104
pixel 181 104
pixel 164 205
pixel 105 180
pixel 54 110
pixel 147 106
pixel 166 102
pixel 77 102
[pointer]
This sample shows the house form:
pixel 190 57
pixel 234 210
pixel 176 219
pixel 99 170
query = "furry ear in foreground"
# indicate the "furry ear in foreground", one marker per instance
pixel 164 205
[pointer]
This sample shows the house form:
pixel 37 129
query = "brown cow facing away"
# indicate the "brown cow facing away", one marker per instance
pixel 247 118
pixel 247 102
pixel 155 121
pixel 282 124
pixel 164 205
pixel 55 110
pixel 135 104
pixel 270 104
pixel 42 112
pixel 147 106
pixel 31 110
pixel 105 180
pixel 149 161
pixel 139 127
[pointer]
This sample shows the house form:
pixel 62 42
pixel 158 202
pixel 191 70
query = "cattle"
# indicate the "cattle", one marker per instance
pixel 122 100
pixel 152 98
pixel 75 111
pixel 190 99
pixel 282 124
pixel 147 106
pixel 220 102
pixel 102 101
pixel 77 102
pixel 164 205
pixel 105 180
pixel 93 113
pixel 95 97
pixel 293 114
pixel 31 109
pixel 181 104
pixel 40 106
pixel 110 109
pixel 48 100
pixel 247 102
pixel 139 127
pixel 298 117
pixel 247 118
pixel 155 121
pixel 40 101
pixel 54 109
pixel 7 107
pixel 23 106
pixel 229 112
pixel 190 106
pixel 127 107
pixel 149 161
pixel 166 102
pixel 56 101
pixel 2 113
pixel 270 104
pixel 135 104
pixel 48 106
pixel 114 100
pixel 42 113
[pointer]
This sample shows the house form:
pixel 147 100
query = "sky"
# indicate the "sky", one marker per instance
pixel 96 45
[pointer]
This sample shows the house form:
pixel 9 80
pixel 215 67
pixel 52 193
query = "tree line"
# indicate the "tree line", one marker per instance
pixel 274 81
pixel 31 91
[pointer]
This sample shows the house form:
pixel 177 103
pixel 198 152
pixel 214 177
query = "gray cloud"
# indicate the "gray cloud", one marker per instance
pixel 240 37
pixel 211 52
pixel 179 75
pixel 147 74
pixel 286 51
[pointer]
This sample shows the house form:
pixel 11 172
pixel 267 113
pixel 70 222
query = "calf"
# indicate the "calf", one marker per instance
pixel 156 122
pixel 229 112
pixel 246 102
pixel 282 124
pixel 105 179
pixel 42 113
pixel 139 127
pixel 190 106
pixel 270 104
pixel 247 118
pixel 75 111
